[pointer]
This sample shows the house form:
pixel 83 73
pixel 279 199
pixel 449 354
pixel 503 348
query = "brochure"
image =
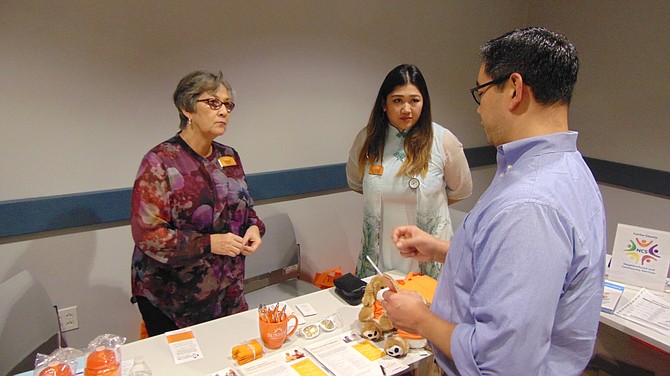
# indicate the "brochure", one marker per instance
pixel 349 354
pixel 183 346
pixel 611 296
pixel 640 257
pixel 648 310
pixel 225 372
pixel 289 362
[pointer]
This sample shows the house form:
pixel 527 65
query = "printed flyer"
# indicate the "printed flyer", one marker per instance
pixel 640 257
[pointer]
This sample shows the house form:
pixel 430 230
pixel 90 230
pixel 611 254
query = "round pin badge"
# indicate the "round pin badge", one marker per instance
pixel 414 183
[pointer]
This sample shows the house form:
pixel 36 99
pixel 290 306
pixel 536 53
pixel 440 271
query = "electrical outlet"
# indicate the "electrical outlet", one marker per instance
pixel 68 319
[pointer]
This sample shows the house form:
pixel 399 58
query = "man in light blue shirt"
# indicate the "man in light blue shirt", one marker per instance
pixel 522 284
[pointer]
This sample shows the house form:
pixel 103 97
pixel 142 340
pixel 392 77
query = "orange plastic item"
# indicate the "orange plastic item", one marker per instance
pixel 423 284
pixel 56 369
pixel 102 362
pixel 324 280
pixel 143 331
pixel 408 335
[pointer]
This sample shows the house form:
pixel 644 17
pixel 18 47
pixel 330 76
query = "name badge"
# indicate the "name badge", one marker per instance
pixel 227 161
pixel 376 169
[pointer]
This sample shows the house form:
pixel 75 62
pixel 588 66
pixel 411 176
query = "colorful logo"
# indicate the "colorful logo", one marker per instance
pixel 642 251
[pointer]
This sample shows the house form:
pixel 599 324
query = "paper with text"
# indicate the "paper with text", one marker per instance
pixel 285 362
pixel 648 310
pixel 183 346
pixel 349 354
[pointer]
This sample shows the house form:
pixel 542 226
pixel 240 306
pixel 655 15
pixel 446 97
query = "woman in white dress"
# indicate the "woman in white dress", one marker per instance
pixel 408 169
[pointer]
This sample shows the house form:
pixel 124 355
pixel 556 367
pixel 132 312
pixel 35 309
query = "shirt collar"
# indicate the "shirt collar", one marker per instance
pixel 511 152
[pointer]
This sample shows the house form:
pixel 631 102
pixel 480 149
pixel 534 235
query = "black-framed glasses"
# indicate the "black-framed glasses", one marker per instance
pixel 215 104
pixel 477 95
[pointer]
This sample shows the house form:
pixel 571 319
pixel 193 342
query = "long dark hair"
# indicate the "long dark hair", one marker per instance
pixel 419 137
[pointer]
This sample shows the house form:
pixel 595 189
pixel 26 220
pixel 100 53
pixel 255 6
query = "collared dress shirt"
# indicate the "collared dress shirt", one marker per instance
pixel 523 279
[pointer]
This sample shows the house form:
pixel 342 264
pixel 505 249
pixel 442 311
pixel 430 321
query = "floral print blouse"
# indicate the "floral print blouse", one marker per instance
pixel 178 200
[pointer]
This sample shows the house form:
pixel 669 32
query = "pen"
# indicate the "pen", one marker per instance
pixel 373 265
pixel 383 370
pixel 388 281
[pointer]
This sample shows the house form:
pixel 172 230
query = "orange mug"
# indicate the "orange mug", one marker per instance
pixel 273 335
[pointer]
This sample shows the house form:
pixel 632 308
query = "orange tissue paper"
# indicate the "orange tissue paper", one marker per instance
pixel 247 352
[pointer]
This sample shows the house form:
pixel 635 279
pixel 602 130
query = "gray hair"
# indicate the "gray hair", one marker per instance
pixel 191 86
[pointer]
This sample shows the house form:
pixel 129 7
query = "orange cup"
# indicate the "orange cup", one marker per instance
pixel 273 335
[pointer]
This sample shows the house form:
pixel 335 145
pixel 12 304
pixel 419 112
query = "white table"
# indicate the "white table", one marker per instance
pixel 645 334
pixel 216 338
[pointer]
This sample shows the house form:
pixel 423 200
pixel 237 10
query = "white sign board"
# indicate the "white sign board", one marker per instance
pixel 640 257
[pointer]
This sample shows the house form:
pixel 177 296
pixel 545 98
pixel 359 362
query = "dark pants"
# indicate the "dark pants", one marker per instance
pixel 155 321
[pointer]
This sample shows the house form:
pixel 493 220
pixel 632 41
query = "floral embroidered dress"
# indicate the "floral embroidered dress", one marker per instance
pixel 179 199
pixel 389 201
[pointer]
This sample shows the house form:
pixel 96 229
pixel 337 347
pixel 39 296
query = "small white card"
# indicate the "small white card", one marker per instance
pixel 183 346
pixel 611 296
pixel 306 309
pixel 640 257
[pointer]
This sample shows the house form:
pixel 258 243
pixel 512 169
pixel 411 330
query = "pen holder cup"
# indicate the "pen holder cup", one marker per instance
pixel 273 335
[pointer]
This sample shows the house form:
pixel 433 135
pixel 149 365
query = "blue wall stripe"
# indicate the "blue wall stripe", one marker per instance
pixel 642 179
pixel 51 213
pixel 43 214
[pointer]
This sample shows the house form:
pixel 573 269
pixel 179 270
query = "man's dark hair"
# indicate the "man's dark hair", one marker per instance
pixel 546 60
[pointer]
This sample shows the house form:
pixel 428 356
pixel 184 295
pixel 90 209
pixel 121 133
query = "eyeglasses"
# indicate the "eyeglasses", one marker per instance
pixel 477 95
pixel 215 104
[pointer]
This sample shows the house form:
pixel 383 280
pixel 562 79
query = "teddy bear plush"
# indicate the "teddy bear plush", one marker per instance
pixel 374 328
pixel 375 323
pixel 396 346
pixel 367 313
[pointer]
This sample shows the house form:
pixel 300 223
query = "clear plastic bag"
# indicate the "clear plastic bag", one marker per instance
pixel 324 325
pixel 139 368
pixel 103 356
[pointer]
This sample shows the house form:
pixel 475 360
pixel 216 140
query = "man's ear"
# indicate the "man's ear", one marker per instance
pixel 517 92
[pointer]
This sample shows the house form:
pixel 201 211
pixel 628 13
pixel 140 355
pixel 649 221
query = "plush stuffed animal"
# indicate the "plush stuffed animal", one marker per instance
pixel 367 313
pixel 396 346
pixel 374 327
pixel 377 325
pixel 371 331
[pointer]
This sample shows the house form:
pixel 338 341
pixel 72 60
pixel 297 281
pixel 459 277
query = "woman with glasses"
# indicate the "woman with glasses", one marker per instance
pixel 408 169
pixel 192 217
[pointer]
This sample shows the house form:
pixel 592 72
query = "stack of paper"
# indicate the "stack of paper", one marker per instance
pixel 648 310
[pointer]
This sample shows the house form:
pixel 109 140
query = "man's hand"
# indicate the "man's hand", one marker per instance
pixel 414 243
pixel 405 309
pixel 408 311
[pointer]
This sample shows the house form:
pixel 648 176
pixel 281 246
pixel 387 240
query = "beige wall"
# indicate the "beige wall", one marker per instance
pixel 85 91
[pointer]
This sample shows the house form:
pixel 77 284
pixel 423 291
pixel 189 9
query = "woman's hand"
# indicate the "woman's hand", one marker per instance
pixel 252 240
pixel 227 244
